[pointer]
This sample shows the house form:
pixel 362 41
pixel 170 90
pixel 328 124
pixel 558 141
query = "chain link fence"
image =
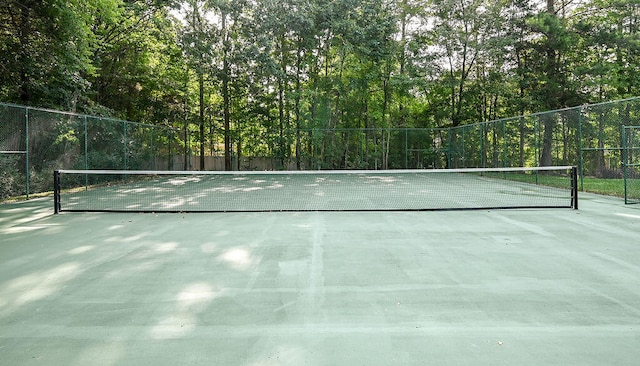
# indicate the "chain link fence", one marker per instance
pixel 369 148
pixel 588 136
pixel 34 142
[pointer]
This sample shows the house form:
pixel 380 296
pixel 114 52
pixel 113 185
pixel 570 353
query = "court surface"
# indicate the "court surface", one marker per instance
pixel 488 287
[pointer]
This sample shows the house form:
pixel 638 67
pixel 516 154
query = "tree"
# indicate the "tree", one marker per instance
pixel 553 89
pixel 45 49
pixel 196 44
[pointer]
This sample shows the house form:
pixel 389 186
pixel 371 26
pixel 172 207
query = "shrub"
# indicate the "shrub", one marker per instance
pixel 11 180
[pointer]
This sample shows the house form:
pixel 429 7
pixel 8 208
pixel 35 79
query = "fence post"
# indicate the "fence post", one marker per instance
pixel 153 153
pixel 574 187
pixel 535 141
pixel 483 153
pixel 124 142
pixel 86 143
pixel 406 148
pixel 86 151
pixel 580 146
pixel 27 172
pixel 505 144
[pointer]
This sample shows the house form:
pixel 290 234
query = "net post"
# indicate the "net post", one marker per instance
pixel 574 187
pixel 56 192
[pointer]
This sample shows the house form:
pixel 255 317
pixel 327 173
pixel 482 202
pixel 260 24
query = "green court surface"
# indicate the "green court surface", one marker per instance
pixel 484 287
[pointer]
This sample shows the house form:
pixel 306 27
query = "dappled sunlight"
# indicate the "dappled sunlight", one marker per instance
pixel 171 203
pixel 22 217
pixel 166 247
pixel 629 216
pixel 134 190
pixel 190 302
pixel 178 181
pixel 249 189
pixel 383 179
pixel 141 267
pixel 38 285
pixel 175 326
pixel 281 354
pixel 130 239
pixel 148 258
pixel 238 258
pixel 16 210
pixel 24 229
pixel 194 296
pixel 275 185
pixel 209 248
pixel 81 250
pixel 107 352
pixel 40 214
pixel 234 189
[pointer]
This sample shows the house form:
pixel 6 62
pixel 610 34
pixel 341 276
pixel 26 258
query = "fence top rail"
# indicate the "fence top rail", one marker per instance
pixel 440 129
pixel 80 115
pixel 537 114
pixel 320 129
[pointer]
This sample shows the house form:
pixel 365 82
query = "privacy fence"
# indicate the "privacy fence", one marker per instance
pixel 597 138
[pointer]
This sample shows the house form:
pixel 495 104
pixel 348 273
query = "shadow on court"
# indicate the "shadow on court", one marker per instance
pixel 489 287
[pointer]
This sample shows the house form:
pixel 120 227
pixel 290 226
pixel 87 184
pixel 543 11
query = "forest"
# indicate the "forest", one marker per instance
pixel 262 77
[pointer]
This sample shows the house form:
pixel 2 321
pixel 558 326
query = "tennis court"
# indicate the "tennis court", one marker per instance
pixel 482 287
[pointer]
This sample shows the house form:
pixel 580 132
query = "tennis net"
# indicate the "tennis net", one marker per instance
pixel 379 190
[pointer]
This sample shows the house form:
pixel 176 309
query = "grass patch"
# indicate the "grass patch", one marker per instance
pixel 608 187
pixel 605 186
pixel 612 187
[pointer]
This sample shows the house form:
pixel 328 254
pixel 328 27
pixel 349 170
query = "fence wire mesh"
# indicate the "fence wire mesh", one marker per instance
pixel 34 142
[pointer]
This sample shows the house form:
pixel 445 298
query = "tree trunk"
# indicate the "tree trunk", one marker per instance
pixel 201 117
pixel 25 33
pixel 297 103
pixel 225 95
pixel 546 159
pixel 283 152
pixel 522 142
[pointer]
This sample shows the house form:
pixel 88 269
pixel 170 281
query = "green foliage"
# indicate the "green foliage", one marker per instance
pixel 272 67
pixel 45 50
pixel 11 183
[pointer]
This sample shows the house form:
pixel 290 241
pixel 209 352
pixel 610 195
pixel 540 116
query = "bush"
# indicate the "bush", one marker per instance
pixel 11 180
